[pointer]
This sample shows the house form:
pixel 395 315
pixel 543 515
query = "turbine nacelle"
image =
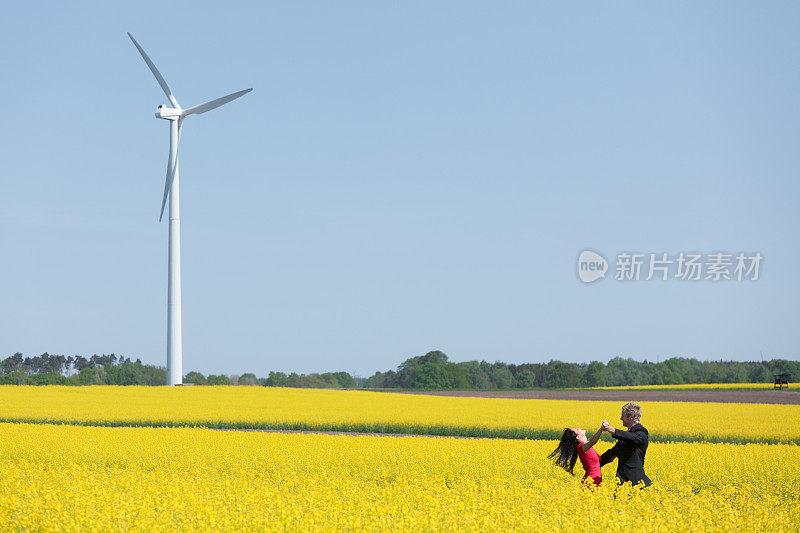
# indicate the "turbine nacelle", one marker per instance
pixel 168 113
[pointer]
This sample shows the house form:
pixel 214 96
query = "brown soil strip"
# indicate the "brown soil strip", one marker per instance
pixel 762 396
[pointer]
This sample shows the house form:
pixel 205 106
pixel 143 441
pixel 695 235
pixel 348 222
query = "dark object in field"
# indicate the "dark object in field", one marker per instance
pixel 782 381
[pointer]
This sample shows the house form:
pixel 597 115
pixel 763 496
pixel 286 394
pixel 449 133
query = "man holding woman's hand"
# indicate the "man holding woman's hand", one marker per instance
pixel 631 446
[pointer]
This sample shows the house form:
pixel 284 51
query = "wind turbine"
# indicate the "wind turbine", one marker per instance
pixel 175 115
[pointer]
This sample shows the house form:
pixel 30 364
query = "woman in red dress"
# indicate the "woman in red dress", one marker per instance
pixel 573 446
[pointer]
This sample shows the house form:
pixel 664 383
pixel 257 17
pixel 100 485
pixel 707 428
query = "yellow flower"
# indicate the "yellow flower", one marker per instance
pixel 276 408
pixel 71 478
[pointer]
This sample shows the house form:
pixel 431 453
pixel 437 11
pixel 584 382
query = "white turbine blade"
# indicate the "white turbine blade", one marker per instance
pixel 172 163
pixel 213 104
pixel 156 73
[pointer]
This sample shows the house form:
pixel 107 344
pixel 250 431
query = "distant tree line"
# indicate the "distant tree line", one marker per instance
pixel 432 371
pixel 327 380
pixel 111 369
pixel 103 369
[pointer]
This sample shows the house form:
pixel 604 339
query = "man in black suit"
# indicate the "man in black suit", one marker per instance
pixel 630 447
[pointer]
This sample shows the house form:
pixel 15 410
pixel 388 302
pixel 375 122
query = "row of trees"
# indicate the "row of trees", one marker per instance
pixel 110 369
pixel 103 369
pixel 432 371
pixel 328 380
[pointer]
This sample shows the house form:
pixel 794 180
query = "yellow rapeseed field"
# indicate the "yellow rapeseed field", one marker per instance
pixel 266 407
pixel 74 478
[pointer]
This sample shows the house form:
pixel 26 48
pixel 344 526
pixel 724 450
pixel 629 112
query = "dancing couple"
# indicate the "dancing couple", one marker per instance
pixel 629 450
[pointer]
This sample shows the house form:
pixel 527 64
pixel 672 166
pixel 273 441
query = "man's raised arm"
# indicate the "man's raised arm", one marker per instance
pixel 639 436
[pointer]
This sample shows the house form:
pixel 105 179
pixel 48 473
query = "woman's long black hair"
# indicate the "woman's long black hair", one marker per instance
pixel 566 453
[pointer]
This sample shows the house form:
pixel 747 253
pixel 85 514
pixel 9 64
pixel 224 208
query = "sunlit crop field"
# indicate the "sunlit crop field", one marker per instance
pixel 266 407
pixel 152 479
pixel 696 386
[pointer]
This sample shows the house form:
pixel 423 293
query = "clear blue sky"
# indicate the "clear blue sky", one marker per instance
pixel 402 178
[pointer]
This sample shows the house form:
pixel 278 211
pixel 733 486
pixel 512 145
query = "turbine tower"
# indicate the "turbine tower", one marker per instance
pixel 175 115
